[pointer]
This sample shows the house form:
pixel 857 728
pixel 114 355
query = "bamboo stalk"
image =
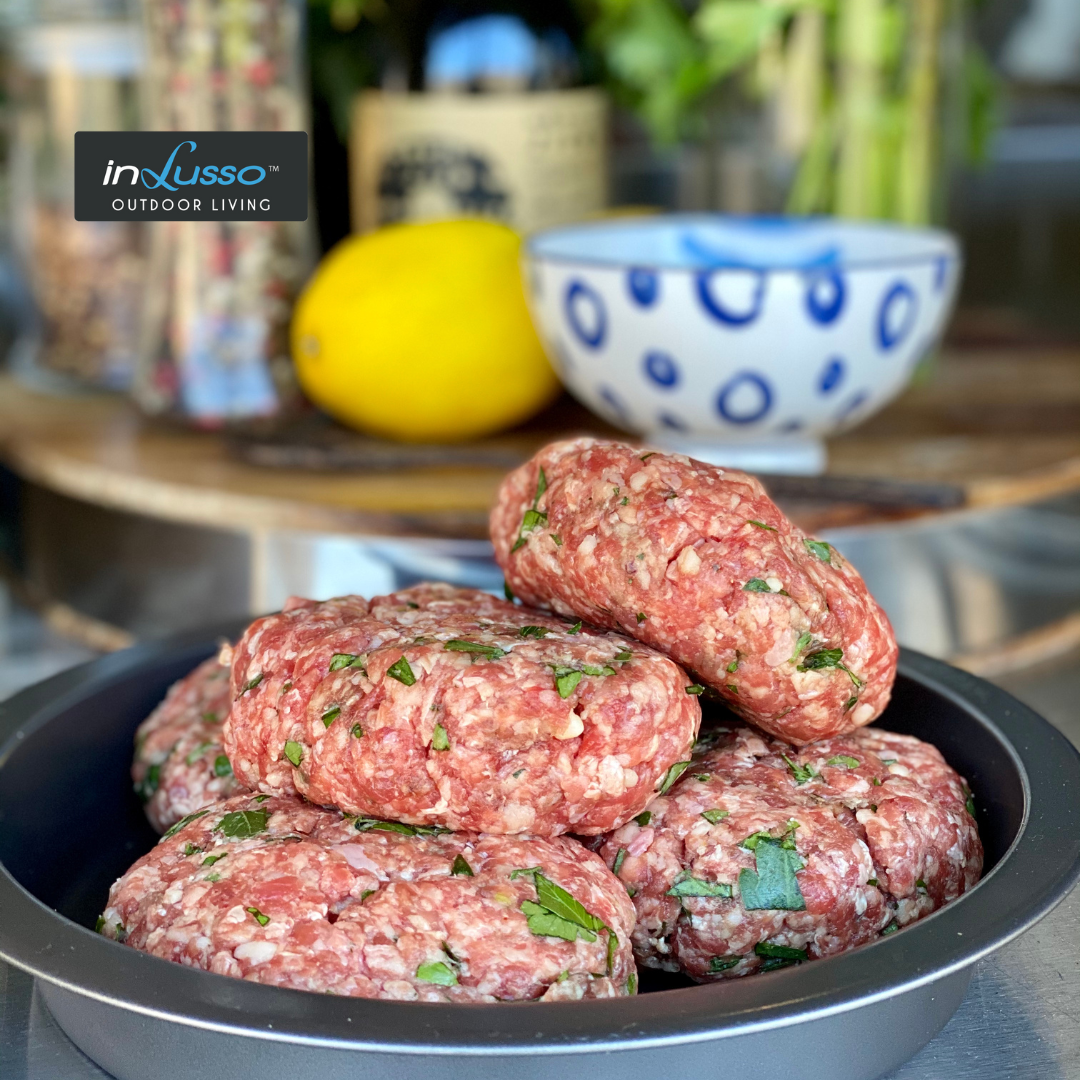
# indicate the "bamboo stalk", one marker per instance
pixel 860 171
pixel 917 153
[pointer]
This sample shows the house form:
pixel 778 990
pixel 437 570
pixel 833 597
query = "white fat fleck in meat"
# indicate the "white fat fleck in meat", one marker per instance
pixel 610 774
pixel 355 856
pixel 255 952
pixel 173 894
pixel 863 714
pixel 639 479
pixel 640 844
pixel 225 656
pixel 572 728
pixel 588 545
pixel 774 583
pixel 689 562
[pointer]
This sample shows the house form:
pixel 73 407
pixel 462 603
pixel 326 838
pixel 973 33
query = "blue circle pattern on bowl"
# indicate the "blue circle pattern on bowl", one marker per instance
pixel 581 301
pixel 707 280
pixel 832 374
pixel 643 286
pixel 896 315
pixel 661 369
pixel 746 398
pixel 825 295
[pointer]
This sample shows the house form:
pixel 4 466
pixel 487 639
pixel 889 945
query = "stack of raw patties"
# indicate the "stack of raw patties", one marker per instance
pixel 418 761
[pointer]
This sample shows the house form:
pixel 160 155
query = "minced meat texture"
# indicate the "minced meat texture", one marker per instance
pixel 763 854
pixel 278 891
pixel 180 763
pixel 698 562
pixel 446 706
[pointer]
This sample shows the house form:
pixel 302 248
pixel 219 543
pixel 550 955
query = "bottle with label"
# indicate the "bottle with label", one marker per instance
pixel 483 109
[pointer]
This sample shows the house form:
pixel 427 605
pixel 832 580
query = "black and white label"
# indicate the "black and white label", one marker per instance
pixel 191 176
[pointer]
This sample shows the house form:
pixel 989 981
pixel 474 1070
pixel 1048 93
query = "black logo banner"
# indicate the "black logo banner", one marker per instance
pixel 191 176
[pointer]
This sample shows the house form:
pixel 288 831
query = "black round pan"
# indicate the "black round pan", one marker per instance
pixel 69 826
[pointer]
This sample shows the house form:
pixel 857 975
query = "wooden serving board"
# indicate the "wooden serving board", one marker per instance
pixel 989 428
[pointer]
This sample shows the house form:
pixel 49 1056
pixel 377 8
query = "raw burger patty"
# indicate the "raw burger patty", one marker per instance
pixel 180 763
pixel 698 562
pixel 282 892
pixel 438 705
pixel 762 855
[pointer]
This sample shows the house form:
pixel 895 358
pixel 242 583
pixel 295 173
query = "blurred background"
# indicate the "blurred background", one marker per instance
pixel 200 419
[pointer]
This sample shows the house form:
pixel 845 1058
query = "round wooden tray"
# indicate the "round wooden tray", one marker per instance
pixel 989 428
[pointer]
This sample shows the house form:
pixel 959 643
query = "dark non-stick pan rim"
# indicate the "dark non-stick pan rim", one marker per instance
pixel 674 1016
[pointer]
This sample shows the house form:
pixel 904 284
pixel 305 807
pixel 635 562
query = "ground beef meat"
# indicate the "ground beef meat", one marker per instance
pixel 438 705
pixel 762 854
pixel 284 893
pixel 698 562
pixel 180 763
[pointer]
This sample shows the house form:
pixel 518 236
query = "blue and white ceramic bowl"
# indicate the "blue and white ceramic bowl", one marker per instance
pixel 741 340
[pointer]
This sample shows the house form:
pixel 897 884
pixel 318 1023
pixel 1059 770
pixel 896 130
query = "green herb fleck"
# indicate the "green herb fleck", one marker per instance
pixel 733 667
pixel 576 628
pixel 222 766
pixel 651 453
pixel 969 803
pixel 331 715
pixel 723 963
pixel 761 525
pixel 515 775
pixel 191 849
pixel 211 718
pixel 644 818
pixel 183 823
pixel 438 973
pixel 702 777
pixel 756 584
pixel 252 683
pixel 732 687
pixel 620 858
pixel 920 884
pixel 641 617
pixel 211 859
pixel 100 924
pixel 489 652
pixel 616 490
pixel 258 916
pixel 772 886
pixel 243 824
pixel 439 739
pixel 345 660
pixel 212 877
pixel 150 783
pixel 401 671
pixel 532 518
pixel 366 893
pixel 714 816
pixel 871 881
pixel 784 953
pixel 891 928
pixel 819 548
pixel 625 500
pixel 875 781
pixel 197 753
pixel 873 807
pixel 558 914
pixel 567 682
pixel 804 639
pixel 557 539
pixel 622 657
pixel 365 824
pixel 803 774
pixel 671 495
pixel 695 689
pixel 461 867
pixel 294 752
pixel 672 775
pixel 259 798
pixel 850 703
pixel 691 886
pixel 631 983
pixel 356 731
pixel 508 592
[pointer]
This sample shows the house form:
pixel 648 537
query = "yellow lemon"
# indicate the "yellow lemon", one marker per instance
pixel 421 333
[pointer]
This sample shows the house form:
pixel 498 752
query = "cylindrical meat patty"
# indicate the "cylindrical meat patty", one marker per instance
pixel 446 706
pixel 698 562
pixel 180 763
pixel 282 892
pixel 762 855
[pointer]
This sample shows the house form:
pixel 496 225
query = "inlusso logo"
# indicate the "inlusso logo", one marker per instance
pixel 191 175
pixel 201 174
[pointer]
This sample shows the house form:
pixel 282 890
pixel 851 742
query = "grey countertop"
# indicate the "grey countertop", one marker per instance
pixel 1019 1021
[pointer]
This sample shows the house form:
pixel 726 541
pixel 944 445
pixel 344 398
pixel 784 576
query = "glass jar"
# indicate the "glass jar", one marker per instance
pixel 215 329
pixel 77 68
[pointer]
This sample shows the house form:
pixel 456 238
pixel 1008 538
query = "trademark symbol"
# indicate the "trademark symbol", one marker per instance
pixel 274 168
